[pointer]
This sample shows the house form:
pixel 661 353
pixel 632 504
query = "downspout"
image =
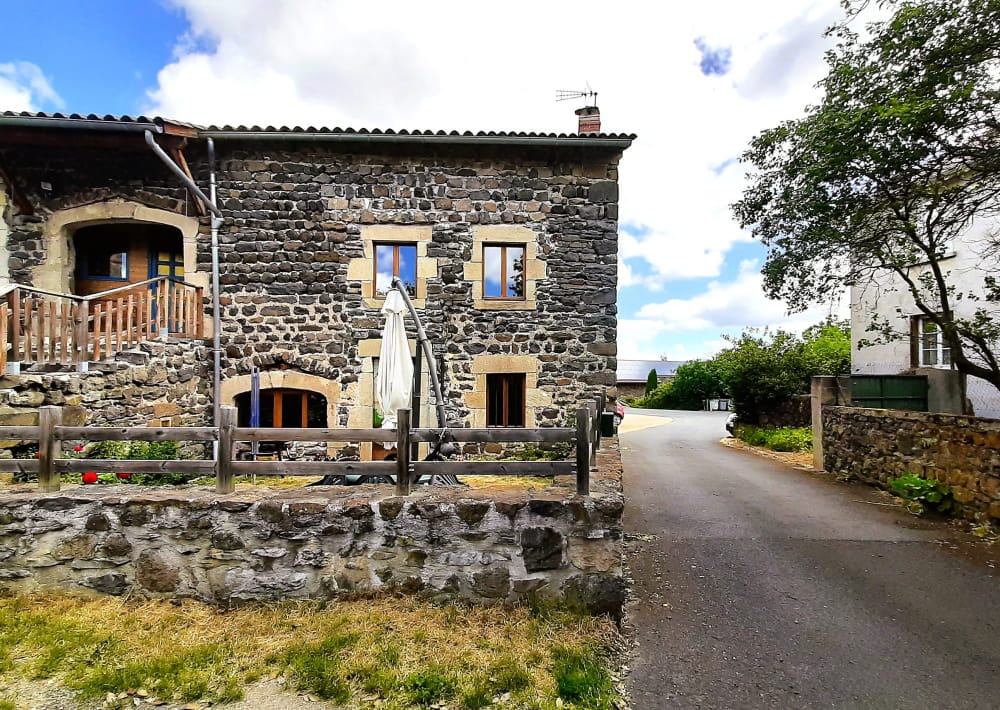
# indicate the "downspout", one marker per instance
pixel 216 223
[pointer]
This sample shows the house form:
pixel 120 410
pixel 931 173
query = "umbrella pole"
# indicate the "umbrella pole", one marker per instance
pixel 426 346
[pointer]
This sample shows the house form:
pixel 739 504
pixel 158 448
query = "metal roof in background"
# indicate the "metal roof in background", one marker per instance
pixel 638 370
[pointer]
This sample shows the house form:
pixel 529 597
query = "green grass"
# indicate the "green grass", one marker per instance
pixel 406 652
pixel 582 678
pixel 798 439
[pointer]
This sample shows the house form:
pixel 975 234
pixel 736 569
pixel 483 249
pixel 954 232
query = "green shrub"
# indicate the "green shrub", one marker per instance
pixel 140 451
pixel 783 439
pixel 923 493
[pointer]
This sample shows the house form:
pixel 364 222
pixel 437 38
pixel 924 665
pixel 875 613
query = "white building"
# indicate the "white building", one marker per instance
pixel 918 343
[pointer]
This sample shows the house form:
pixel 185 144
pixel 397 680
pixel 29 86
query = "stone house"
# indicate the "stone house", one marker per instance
pixel 921 349
pixel 631 375
pixel 508 243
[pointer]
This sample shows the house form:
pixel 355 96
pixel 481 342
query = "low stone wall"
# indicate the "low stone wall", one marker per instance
pixel 877 445
pixel 159 383
pixel 488 545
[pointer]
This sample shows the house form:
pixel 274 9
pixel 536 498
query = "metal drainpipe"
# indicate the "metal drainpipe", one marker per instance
pixel 216 223
pixel 216 316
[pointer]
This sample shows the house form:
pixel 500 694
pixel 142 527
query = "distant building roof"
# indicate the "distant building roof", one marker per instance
pixel 638 370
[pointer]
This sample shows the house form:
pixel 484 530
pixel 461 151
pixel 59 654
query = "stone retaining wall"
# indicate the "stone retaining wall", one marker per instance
pixel 877 445
pixel 486 545
pixel 159 383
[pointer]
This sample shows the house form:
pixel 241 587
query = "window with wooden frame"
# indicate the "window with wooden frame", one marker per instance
pixel 505 400
pixel 106 261
pixel 395 260
pixel 503 271
pixel 285 409
pixel 929 345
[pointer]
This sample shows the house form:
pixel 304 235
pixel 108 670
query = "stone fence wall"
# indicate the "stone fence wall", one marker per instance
pixel 487 545
pixel 157 384
pixel 877 445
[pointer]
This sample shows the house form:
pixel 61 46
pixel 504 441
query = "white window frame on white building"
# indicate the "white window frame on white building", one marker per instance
pixel 931 349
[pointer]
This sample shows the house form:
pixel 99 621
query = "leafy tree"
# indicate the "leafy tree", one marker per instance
pixel 652 381
pixel 894 163
pixel 826 348
pixel 761 369
pixel 694 382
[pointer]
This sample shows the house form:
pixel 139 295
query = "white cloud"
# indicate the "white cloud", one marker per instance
pixel 23 87
pixel 471 67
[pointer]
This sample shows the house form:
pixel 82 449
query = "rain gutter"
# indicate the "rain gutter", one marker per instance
pixel 79 124
pixel 585 142
pixel 216 223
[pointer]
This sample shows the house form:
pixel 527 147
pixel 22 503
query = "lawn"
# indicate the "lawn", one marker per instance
pixel 384 652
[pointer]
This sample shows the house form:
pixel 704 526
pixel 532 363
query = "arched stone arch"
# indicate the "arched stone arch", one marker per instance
pixel 285 379
pixel 56 273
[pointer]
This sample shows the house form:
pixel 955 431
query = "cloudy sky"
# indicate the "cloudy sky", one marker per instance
pixel 695 81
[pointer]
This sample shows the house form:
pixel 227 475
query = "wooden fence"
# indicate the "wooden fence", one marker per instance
pixel 42 327
pixel 50 433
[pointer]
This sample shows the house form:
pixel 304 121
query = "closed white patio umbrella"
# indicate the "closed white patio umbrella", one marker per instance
pixel 394 380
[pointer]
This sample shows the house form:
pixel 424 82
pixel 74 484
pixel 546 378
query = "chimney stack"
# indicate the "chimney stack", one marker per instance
pixel 590 119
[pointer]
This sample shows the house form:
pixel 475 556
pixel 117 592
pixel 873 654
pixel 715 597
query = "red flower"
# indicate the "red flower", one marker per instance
pixel 89 477
pixel 37 454
pixel 77 449
pixel 124 475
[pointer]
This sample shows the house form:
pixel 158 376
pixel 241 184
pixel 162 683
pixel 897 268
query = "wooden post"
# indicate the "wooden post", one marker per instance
pixel 582 451
pixel 223 466
pixel 15 325
pixel 48 448
pixel 403 452
pixel 595 431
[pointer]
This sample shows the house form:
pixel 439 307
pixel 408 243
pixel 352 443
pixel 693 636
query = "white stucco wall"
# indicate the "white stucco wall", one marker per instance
pixel 890 300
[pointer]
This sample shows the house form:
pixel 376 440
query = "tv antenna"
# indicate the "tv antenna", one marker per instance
pixel 568 94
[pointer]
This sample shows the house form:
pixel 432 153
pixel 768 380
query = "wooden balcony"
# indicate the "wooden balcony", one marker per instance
pixel 39 327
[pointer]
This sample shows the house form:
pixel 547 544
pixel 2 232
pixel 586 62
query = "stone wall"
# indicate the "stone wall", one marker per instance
pixel 157 384
pixel 877 445
pixel 486 545
pixel 298 216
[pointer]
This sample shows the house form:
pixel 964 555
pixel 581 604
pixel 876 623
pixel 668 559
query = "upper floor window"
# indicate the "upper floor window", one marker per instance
pixel 505 399
pixel 503 271
pixel 395 260
pixel 933 350
pixel 107 261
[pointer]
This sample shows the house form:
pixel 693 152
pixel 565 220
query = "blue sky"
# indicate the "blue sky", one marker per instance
pixel 694 83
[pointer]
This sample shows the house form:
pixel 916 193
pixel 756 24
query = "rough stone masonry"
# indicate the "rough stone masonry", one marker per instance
pixel 484 545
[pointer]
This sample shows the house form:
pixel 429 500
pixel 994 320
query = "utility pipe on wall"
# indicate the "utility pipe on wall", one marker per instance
pixel 216 223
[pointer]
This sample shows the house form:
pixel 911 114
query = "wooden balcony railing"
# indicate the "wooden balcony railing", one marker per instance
pixel 47 328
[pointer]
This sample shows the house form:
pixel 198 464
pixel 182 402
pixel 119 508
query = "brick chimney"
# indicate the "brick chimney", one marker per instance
pixel 590 119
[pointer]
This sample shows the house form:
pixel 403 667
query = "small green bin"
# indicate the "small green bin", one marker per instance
pixel 607 423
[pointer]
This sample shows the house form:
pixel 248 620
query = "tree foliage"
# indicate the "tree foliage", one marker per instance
pixel 759 370
pixel 892 165
pixel 652 381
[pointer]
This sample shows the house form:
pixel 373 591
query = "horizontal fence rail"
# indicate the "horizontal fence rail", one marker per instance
pixel 50 434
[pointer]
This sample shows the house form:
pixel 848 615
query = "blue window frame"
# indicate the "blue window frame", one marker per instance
pixel 103 262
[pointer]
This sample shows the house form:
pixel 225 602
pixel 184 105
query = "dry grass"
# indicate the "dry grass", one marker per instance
pixel 383 652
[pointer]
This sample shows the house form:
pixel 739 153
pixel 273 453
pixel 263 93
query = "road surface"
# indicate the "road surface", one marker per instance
pixel 761 586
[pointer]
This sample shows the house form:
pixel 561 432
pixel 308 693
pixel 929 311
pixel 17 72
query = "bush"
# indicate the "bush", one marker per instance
pixel 923 494
pixel 783 439
pixel 140 451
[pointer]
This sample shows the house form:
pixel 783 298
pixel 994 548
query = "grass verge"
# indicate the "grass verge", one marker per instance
pixel 795 439
pixel 384 652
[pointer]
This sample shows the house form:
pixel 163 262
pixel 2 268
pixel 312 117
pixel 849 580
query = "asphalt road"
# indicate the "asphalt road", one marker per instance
pixel 761 586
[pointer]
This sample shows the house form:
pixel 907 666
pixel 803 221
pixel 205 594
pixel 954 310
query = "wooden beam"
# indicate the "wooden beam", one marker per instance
pixel 178 156
pixel 305 434
pixel 84 139
pixel 314 468
pixel 204 468
pixel 494 468
pixel 176 433
pixel 494 435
